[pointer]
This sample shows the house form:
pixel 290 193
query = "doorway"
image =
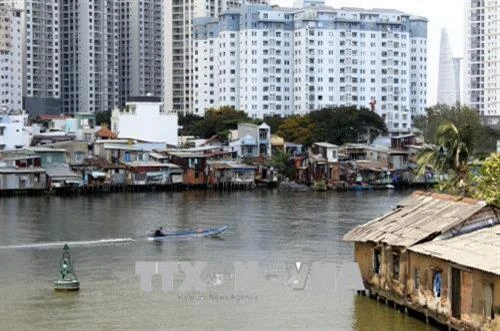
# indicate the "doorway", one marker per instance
pixel 455 293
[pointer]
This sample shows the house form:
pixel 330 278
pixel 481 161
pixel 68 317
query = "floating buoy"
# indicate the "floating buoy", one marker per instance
pixel 67 280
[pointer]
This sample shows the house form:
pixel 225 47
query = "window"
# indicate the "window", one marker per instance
pixel 395 265
pixel 416 279
pixel 377 260
pixel 436 284
pixel 488 310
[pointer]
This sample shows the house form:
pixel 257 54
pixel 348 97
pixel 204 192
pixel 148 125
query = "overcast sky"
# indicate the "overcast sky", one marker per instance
pixel 447 14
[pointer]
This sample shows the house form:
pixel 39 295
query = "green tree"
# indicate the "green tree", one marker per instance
pixel 488 182
pixel 297 129
pixel 216 122
pixel 103 117
pixel 283 162
pixel 483 138
pixel 450 157
pixel 273 121
pixel 347 124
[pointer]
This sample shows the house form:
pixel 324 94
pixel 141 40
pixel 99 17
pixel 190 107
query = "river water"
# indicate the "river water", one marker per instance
pixel 270 228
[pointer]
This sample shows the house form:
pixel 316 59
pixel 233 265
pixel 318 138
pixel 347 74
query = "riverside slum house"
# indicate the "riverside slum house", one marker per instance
pixel 54 162
pixel 437 256
pixel 323 164
pixel 376 166
pixel 253 143
pixel 141 168
pixel 22 173
pixel 230 174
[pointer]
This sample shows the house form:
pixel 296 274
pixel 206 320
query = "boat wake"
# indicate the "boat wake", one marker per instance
pixel 70 243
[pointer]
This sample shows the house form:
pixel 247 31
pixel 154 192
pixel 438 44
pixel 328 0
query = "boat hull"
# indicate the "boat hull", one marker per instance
pixel 67 285
pixel 198 233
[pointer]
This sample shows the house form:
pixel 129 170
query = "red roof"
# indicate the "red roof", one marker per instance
pixel 105 133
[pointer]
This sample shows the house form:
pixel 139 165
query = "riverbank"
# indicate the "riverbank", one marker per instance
pixel 284 186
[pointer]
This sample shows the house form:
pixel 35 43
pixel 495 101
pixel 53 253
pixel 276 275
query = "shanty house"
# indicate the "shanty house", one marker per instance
pixel 386 251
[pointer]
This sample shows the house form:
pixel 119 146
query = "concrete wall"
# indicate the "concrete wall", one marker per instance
pixel 146 122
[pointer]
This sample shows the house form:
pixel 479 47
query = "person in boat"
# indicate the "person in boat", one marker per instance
pixel 161 232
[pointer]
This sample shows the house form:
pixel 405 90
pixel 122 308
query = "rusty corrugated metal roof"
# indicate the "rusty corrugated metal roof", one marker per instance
pixel 420 216
pixel 478 250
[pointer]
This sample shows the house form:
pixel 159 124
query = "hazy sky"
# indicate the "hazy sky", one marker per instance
pixel 447 14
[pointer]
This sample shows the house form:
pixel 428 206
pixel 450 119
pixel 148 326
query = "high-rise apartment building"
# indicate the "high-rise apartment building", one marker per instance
pixel 141 48
pixel 89 55
pixel 482 58
pixel 449 69
pixel 11 59
pixel 42 76
pixel 179 54
pixel 268 61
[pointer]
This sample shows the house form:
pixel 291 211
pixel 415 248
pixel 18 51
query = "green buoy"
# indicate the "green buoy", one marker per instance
pixel 67 280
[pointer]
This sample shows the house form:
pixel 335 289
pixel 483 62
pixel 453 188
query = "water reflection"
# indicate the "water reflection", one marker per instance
pixel 371 315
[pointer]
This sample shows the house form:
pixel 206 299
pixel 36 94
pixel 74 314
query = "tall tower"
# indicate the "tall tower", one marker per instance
pixel 90 56
pixel 11 59
pixel 179 69
pixel 447 84
pixel 482 59
pixel 141 48
pixel 42 71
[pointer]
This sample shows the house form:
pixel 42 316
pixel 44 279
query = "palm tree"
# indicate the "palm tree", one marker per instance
pixel 450 156
pixel 282 161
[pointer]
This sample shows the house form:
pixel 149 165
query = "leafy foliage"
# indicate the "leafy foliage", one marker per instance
pixel 103 117
pixel 450 157
pixel 216 122
pixel 335 125
pixel 283 163
pixel 298 129
pixel 488 182
pixel 347 124
pixel 483 139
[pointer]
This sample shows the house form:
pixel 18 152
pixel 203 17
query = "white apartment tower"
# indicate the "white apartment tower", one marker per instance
pixel 482 58
pixel 280 61
pixel 179 53
pixel 447 78
pixel 90 55
pixel 11 59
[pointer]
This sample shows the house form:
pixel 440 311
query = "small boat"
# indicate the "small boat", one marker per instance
pixel 67 280
pixel 361 186
pixel 195 233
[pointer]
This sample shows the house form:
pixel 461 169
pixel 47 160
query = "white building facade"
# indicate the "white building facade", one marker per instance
pixel 482 58
pixel 11 59
pixel 145 119
pixel 179 54
pixel 14 133
pixel 280 61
